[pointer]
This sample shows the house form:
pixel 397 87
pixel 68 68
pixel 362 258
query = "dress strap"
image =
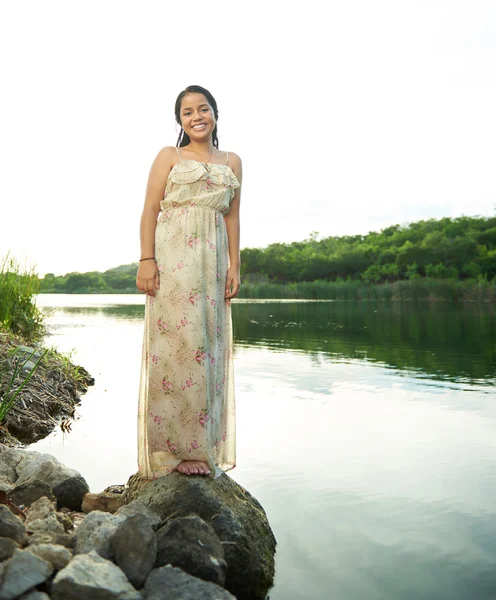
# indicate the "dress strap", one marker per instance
pixel 227 158
pixel 178 153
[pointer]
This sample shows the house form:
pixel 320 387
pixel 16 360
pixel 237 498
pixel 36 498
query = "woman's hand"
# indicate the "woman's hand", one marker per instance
pixel 233 282
pixel 147 278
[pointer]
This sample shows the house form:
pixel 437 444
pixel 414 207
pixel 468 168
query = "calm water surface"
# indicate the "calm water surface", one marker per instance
pixel 368 433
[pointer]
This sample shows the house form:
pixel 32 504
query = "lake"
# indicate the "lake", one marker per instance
pixel 367 431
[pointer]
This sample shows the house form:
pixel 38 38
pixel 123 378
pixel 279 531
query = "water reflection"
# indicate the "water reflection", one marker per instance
pixel 438 341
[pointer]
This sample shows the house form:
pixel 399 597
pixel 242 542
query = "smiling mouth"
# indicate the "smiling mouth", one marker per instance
pixel 200 126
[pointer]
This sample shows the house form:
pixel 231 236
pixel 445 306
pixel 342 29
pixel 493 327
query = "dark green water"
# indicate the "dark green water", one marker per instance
pixel 367 432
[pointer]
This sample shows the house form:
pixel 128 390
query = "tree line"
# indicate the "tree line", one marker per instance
pixel 457 249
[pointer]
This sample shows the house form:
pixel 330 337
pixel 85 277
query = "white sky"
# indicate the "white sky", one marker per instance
pixel 349 120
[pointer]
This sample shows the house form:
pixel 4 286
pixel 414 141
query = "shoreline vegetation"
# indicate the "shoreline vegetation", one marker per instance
pixel 39 387
pixel 446 260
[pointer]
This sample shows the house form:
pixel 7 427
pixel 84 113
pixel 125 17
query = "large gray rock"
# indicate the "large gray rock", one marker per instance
pixel 23 572
pixel 30 491
pixel 96 531
pixel 11 526
pixel 237 517
pixel 134 548
pixel 58 556
pixel 171 582
pixel 136 507
pixel 192 545
pixel 67 484
pixel 91 577
pixel 7 548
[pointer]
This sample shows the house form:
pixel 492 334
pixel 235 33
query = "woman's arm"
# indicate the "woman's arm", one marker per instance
pixel 233 280
pixel 147 279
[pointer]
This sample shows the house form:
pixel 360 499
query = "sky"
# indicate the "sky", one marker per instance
pixel 347 120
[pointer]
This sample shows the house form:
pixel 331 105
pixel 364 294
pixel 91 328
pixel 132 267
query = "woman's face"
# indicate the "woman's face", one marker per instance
pixel 197 117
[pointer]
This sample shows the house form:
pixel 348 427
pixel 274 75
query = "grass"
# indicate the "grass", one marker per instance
pixel 418 289
pixel 12 393
pixel 18 311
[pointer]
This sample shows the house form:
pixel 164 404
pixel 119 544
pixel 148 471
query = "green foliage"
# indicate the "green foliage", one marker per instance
pixel 446 249
pixel 18 311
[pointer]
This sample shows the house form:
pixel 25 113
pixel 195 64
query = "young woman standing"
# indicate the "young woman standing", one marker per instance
pixel 189 269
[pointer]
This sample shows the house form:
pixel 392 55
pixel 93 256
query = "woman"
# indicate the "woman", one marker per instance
pixel 189 269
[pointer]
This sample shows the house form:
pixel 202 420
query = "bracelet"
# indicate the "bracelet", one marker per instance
pixel 151 258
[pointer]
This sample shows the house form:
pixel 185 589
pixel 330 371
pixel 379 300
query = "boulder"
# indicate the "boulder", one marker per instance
pixel 23 572
pixel 27 493
pixel 192 545
pixel 236 516
pixel 136 507
pixel 91 577
pixel 134 548
pixel 95 533
pixel 71 491
pixel 11 526
pixel 7 548
pixel 68 485
pixel 58 556
pixel 171 582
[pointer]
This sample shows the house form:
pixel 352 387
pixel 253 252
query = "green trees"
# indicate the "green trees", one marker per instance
pixel 444 249
pixel 461 248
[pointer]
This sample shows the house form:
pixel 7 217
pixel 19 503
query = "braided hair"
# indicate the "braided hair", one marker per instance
pixel 184 139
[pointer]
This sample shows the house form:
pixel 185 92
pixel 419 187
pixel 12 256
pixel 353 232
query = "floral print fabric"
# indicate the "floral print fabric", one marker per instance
pixel 186 398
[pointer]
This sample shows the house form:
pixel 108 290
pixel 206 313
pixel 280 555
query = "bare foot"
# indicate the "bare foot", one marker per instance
pixel 193 467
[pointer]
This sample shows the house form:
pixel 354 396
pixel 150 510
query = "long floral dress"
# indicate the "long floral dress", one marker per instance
pixel 186 399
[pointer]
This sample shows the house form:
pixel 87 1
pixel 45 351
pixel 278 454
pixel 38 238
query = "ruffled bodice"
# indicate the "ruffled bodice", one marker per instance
pixel 194 183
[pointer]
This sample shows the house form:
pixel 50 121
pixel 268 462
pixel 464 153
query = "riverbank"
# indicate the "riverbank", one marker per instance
pixel 424 290
pixel 48 399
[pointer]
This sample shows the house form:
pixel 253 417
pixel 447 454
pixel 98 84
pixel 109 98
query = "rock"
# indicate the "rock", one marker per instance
pixel 35 595
pixel 40 509
pixel 65 521
pixel 27 493
pixel 134 548
pixel 95 533
pixel 58 556
pixel 5 485
pixel 11 526
pixel 105 502
pixel 71 491
pixel 171 582
pixel 23 572
pixel 67 540
pixel 237 518
pixel 9 459
pixel 49 524
pixel 137 507
pixel 192 545
pixel 7 548
pixel 67 484
pixel 41 537
pixel 91 577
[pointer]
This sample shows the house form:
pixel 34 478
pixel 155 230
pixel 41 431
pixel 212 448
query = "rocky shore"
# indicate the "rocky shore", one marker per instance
pixel 178 537
pixel 49 399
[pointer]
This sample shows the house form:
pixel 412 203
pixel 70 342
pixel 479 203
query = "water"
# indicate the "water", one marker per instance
pixel 366 431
